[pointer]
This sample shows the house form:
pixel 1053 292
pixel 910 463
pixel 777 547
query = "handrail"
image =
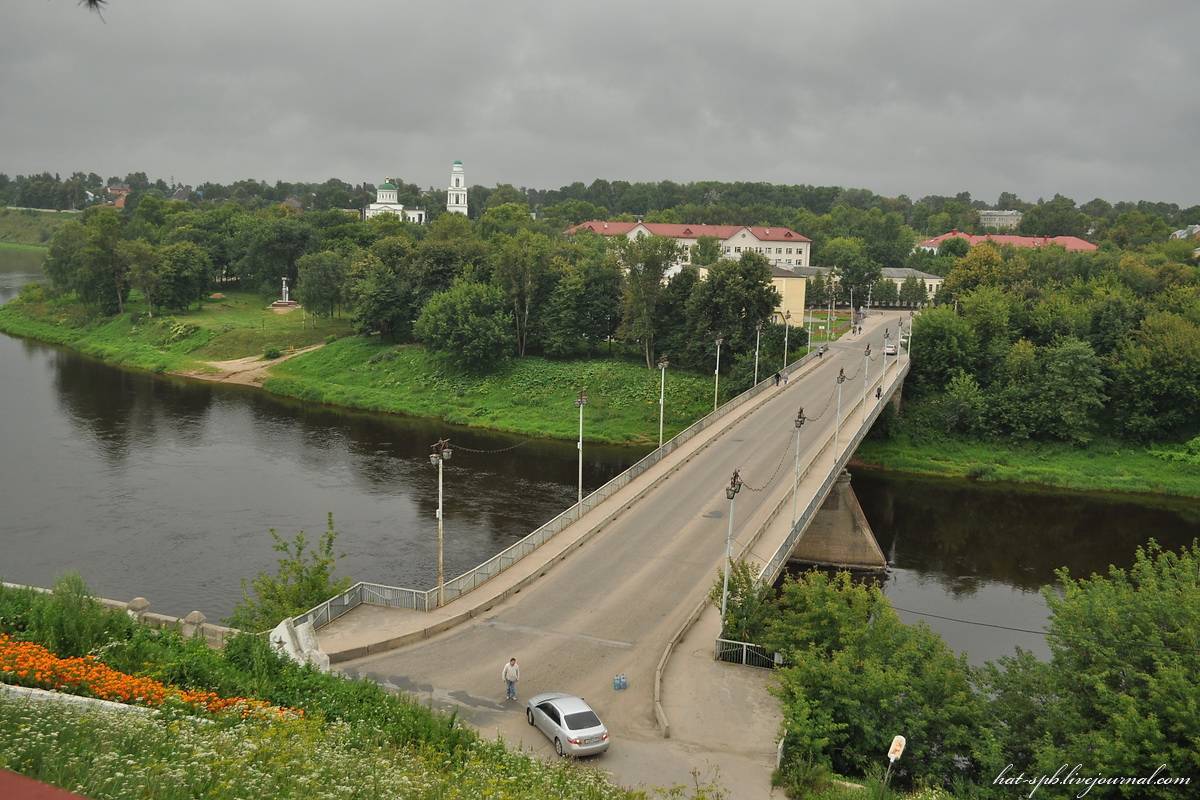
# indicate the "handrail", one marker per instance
pixel 427 600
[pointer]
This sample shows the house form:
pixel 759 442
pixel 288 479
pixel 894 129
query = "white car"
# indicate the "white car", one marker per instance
pixel 889 349
pixel 569 722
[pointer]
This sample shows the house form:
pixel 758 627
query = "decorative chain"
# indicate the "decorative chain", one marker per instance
pixel 774 474
pixel 489 452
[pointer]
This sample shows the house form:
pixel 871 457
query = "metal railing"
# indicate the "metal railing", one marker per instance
pixel 746 654
pixel 426 600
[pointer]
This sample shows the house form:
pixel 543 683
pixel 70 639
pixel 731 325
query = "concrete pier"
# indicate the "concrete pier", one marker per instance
pixel 840 535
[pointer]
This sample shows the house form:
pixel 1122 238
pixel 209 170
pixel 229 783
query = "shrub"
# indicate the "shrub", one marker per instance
pixel 331 338
pixel 271 353
pixel 68 620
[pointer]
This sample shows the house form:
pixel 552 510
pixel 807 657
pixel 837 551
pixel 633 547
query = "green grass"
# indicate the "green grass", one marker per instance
pixel 1107 466
pixel 24 248
pixel 533 396
pixel 236 326
pixel 30 227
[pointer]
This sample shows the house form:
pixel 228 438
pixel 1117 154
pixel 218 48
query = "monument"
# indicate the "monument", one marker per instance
pixel 284 301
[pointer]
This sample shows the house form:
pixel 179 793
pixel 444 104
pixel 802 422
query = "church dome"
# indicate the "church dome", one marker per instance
pixel 387 185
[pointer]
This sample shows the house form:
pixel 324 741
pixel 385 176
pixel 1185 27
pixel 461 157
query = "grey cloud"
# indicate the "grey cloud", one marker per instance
pixel 1084 98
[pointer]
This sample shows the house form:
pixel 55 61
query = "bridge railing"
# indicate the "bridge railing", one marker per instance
pixel 774 565
pixel 746 654
pixel 427 599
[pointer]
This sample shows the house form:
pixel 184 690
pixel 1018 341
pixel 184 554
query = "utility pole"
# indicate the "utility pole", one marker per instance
pixel 662 396
pixel 800 420
pixel 439 454
pixel 735 486
pixel 787 327
pixel 580 402
pixel 757 336
pixel 837 430
pixel 717 372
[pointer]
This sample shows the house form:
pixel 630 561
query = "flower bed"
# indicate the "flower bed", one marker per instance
pixel 30 664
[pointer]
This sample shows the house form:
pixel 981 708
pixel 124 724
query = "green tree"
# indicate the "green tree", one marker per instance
pixel 1057 217
pixel 1072 389
pixel 101 280
pixel 141 264
pixel 584 309
pixel 65 257
pixel 522 270
pixel 507 219
pixel 467 324
pixel 379 302
pixel 736 297
pixel 1156 387
pixel 645 261
pixel 706 251
pixel 943 345
pixel 322 282
pixel 911 292
pixel 955 247
pixel 851 264
pixel 184 270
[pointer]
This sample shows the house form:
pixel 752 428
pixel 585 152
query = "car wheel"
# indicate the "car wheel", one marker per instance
pixel 529 715
pixel 558 747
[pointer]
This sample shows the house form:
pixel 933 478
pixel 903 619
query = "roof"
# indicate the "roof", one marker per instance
pixel 457 163
pixel 688 231
pixel 908 272
pixel 783 272
pixel 387 185
pixel 19 787
pixel 1072 243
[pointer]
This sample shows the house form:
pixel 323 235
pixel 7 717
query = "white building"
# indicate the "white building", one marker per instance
pixel 782 247
pixel 1000 220
pixel 456 192
pixel 386 202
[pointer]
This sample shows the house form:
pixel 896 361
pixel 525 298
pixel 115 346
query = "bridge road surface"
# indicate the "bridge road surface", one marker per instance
pixel 611 606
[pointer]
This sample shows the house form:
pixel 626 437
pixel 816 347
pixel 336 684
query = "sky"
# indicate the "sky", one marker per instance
pixel 1087 99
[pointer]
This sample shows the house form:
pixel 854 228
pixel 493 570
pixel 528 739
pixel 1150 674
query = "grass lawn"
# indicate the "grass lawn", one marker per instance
pixel 22 226
pixel 534 396
pixel 1102 466
pixel 24 248
pixel 236 326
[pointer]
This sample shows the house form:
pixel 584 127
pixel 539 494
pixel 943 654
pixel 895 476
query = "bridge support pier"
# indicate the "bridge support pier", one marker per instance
pixel 840 535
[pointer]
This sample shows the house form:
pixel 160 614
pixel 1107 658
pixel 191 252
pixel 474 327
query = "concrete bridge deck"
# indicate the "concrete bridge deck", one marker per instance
pixel 615 604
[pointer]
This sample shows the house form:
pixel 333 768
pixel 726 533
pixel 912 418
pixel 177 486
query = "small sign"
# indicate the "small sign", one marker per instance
pixel 897 748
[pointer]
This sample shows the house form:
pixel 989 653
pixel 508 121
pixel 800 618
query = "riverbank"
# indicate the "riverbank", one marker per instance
pixel 1102 466
pixel 225 339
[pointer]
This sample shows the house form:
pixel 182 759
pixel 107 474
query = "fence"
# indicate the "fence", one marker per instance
pixel 746 654
pixel 427 600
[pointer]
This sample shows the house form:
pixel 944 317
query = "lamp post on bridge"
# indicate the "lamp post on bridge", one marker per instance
pixel 800 420
pixel 787 327
pixel 866 372
pixel 717 372
pixel 757 337
pixel 837 430
pixel 439 453
pixel 735 486
pixel 580 402
pixel 662 395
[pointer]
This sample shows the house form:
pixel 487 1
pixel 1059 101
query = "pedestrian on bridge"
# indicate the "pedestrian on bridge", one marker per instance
pixel 776 378
pixel 511 674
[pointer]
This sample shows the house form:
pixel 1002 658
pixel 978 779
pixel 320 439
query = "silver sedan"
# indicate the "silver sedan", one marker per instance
pixel 569 722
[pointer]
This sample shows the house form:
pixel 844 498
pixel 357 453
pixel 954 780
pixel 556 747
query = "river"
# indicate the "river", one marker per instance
pixel 166 488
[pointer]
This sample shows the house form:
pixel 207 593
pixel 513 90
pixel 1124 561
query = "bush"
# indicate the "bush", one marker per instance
pixel 272 353
pixel 331 338
pixel 469 325
pixel 305 579
pixel 68 620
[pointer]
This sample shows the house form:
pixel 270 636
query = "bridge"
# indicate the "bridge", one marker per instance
pixel 619 583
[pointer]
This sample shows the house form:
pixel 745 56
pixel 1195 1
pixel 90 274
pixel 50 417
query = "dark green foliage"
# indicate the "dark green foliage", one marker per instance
pixel 468 325
pixel 68 620
pixel 183 274
pixel 304 580
pixel 736 297
pixel 584 310
pixel 322 286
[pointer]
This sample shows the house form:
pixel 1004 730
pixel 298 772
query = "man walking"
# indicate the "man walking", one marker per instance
pixel 511 674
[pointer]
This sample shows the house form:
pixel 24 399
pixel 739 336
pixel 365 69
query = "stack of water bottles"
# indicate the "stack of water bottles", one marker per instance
pixel 620 682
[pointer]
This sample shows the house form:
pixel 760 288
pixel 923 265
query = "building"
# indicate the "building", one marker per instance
pixel 117 195
pixel 1188 232
pixel 1000 220
pixel 387 202
pixel 782 247
pixel 1072 243
pixel 456 192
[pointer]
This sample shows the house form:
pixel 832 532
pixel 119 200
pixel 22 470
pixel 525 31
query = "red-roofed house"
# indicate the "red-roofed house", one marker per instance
pixel 1072 243
pixel 783 247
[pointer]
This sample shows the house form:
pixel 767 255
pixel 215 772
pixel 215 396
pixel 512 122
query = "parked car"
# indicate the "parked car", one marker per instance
pixel 889 349
pixel 569 722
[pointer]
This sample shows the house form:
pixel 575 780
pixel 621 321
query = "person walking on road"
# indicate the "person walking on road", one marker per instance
pixel 776 378
pixel 511 674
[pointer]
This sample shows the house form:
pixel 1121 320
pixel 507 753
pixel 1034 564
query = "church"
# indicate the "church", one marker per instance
pixel 387 202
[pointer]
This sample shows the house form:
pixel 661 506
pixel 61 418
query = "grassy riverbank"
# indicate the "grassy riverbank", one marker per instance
pixel 30 227
pixel 1102 466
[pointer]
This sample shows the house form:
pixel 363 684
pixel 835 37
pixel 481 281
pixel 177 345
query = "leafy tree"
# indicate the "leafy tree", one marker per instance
pixel 674 330
pixel 943 345
pixel 101 279
pixel 884 293
pixel 322 282
pixel 1057 217
pixel 522 270
pixel 645 261
pixel 584 309
pixel 378 300
pixel 706 251
pixel 65 257
pixel 736 297
pixel 854 269
pixel 141 264
pixel 467 324
pixel 304 580
pixel 963 406
pixel 911 292
pixel 817 295
pixel 184 269
pixel 1157 377
pixel 273 249
pixel 507 219
pixel 955 247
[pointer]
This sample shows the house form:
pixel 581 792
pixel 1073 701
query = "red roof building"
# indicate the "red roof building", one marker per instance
pixel 783 247
pixel 1072 243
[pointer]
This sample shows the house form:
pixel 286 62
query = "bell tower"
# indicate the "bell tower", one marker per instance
pixel 456 192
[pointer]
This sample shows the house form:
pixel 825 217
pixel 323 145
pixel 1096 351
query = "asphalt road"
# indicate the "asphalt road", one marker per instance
pixel 611 606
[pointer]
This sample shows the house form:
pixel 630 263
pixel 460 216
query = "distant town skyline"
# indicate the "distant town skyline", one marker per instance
pixel 1083 99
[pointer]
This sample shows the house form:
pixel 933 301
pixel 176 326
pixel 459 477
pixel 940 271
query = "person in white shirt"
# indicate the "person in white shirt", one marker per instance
pixel 511 674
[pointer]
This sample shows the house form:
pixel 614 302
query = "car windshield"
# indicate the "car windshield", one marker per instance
pixel 582 719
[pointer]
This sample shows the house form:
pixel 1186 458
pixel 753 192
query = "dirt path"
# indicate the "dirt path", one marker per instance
pixel 248 371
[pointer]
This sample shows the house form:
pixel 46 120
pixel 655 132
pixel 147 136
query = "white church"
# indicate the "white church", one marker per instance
pixel 387 202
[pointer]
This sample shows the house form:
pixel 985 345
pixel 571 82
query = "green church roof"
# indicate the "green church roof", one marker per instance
pixel 458 162
pixel 387 185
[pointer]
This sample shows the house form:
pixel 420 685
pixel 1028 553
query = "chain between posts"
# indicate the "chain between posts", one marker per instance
pixel 488 452
pixel 774 474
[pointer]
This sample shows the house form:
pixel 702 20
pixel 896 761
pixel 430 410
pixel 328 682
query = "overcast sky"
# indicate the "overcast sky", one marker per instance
pixel 919 97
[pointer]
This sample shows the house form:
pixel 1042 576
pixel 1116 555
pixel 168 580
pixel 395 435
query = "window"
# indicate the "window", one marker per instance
pixel 551 712
pixel 789 261
pixel 456 183
pixel 581 720
pixel 737 249
pixel 779 250
pixel 789 251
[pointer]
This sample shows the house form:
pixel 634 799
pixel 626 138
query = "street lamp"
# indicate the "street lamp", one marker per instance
pixel 800 420
pixel 717 372
pixel 866 372
pixel 580 402
pixel 735 486
pixel 757 337
pixel 662 395
pixel 787 326
pixel 837 430
pixel 439 453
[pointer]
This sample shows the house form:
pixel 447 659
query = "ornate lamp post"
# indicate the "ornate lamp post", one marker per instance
pixel 757 337
pixel 866 372
pixel 662 395
pixel 837 430
pixel 580 402
pixel 735 486
pixel 717 372
pixel 438 455
pixel 800 420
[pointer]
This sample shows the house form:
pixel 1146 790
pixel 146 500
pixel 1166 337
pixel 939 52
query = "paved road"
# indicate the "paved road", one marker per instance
pixel 612 606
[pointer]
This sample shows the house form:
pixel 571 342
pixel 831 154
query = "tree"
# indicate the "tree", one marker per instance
pixel 955 246
pixel 943 345
pixel 1072 389
pixel 736 297
pixel 322 281
pixel 817 295
pixel 184 270
pixel 141 264
pixel 378 301
pixel 468 326
pixel 855 271
pixel 1057 217
pixel 101 280
pixel 273 249
pixel 506 219
pixel 65 257
pixel 522 271
pixel 584 309
pixel 645 260
pixel 1157 377
pixel 911 292
pixel 706 251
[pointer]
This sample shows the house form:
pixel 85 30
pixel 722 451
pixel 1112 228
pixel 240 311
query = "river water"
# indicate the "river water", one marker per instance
pixel 166 488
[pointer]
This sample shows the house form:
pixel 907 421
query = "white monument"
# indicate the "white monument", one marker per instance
pixel 456 193
pixel 387 202
pixel 285 301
